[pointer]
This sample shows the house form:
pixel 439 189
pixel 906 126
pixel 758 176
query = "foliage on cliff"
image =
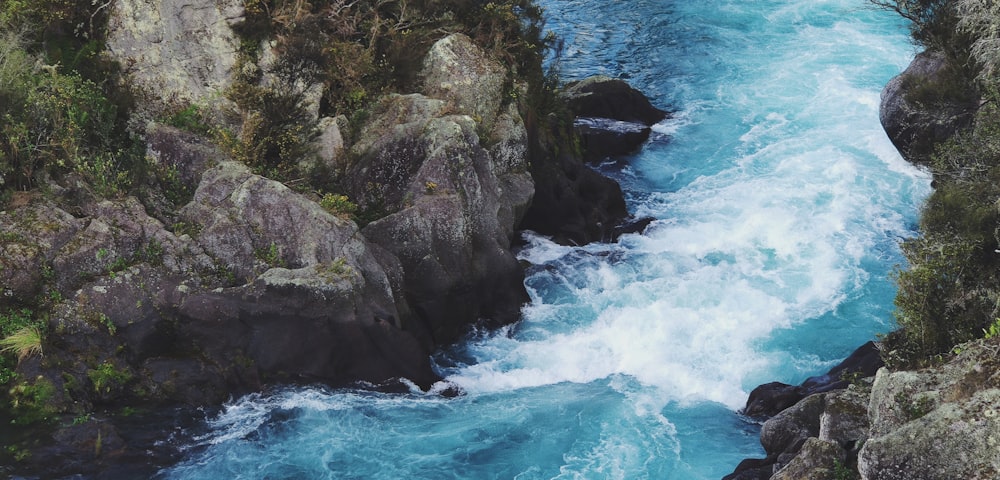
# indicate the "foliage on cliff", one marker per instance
pixel 357 51
pixel 951 292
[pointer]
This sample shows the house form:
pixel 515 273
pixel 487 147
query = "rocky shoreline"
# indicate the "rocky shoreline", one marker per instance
pixel 164 305
pixel 863 420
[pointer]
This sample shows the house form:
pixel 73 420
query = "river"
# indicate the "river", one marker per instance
pixel 779 205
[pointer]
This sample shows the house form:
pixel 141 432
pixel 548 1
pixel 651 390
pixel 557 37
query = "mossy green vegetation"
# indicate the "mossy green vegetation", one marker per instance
pixel 21 334
pixel 55 122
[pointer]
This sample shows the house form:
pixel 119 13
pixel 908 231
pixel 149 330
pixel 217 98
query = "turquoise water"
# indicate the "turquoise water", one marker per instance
pixel 779 204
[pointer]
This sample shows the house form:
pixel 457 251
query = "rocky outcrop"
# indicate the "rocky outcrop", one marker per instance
pixel 920 109
pixel 828 408
pixel 215 281
pixel 448 169
pixel 812 438
pixel 937 423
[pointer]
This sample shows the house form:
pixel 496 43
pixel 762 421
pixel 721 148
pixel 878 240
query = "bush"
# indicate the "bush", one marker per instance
pixel 932 22
pixel 57 123
pixel 338 205
pixel 981 21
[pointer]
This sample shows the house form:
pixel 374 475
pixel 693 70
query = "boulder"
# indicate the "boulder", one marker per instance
pixel 916 125
pixel 460 73
pixel 785 432
pixel 612 118
pixel 830 409
pixel 816 460
pixel 603 138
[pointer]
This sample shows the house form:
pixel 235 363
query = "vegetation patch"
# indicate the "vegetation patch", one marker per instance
pixel 950 293
pixel 20 337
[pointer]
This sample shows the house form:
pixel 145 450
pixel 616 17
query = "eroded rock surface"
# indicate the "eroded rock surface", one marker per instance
pixel 175 51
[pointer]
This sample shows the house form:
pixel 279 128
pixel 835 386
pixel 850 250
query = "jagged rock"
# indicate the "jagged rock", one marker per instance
pixel 329 145
pixel 937 423
pixel 32 231
pixel 828 407
pixel 574 204
pixel 184 152
pixel 845 418
pixel 915 126
pixel 785 432
pixel 451 220
pixel 175 51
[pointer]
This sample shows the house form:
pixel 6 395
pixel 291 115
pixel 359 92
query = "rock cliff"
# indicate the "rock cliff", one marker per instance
pixel 216 280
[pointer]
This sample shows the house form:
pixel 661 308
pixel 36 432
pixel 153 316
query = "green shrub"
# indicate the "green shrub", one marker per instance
pixel 30 402
pixel 338 205
pixel 58 123
pixel 932 22
pixel 107 378
pixel 981 21
pixel 190 118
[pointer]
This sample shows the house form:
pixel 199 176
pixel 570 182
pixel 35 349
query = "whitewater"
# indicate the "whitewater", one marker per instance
pixel 779 204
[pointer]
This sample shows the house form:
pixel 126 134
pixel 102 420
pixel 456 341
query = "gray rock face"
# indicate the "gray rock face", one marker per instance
pixel 452 203
pixel 939 423
pixel 817 460
pixel 459 72
pixel 175 50
pixel 915 127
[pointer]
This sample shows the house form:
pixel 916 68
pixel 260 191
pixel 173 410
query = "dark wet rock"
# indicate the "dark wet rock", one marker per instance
pixel 829 408
pixel 605 97
pixel 612 118
pixel 916 124
pixel 769 399
pixel 574 204
pixel 753 469
pixel 603 138
pixel 631 225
